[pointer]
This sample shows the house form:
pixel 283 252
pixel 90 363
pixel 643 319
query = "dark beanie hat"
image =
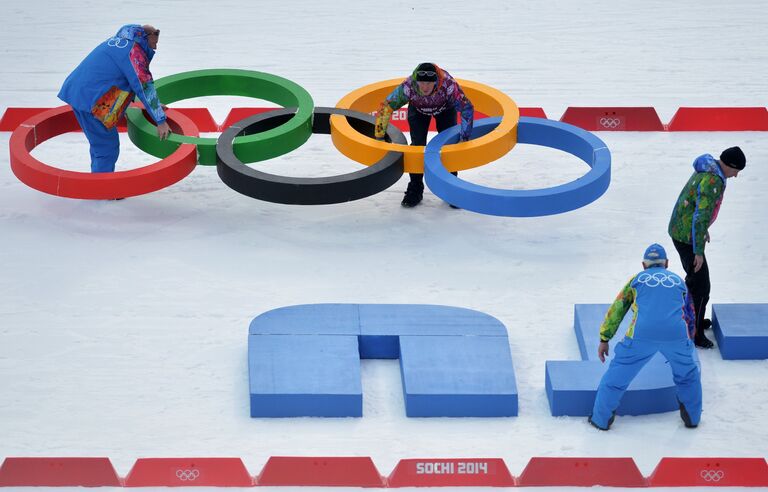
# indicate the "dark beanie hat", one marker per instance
pixel 426 72
pixel 733 157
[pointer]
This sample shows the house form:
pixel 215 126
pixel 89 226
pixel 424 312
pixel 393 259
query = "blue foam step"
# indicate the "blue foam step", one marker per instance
pixel 304 376
pixel 741 330
pixel 456 376
pixel 571 386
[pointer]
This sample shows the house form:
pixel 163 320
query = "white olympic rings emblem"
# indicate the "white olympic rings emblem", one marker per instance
pixel 187 475
pixel 659 278
pixel 117 42
pixel 607 122
pixel 712 475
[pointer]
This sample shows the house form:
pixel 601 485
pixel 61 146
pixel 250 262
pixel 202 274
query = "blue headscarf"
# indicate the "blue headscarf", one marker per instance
pixel 134 32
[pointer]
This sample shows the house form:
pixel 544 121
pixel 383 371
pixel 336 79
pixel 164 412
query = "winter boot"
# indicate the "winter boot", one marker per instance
pixel 686 418
pixel 413 194
pixel 610 421
pixel 701 341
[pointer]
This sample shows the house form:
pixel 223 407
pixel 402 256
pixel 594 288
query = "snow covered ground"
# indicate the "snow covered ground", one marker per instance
pixel 123 325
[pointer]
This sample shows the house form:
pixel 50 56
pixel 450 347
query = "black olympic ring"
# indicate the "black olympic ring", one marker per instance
pixel 307 191
pixel 610 122
pixel 185 475
pixel 712 475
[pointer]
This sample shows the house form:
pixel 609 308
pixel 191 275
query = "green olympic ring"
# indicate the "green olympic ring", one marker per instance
pixel 231 82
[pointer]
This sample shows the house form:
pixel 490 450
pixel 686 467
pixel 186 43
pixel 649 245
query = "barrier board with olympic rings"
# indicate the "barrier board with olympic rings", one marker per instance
pixel 272 140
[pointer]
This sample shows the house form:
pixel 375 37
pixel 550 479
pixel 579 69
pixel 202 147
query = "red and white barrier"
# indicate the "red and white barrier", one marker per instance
pixel 598 118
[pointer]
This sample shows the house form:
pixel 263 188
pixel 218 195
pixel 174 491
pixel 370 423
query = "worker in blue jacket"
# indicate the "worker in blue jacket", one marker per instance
pixel 663 321
pixel 106 82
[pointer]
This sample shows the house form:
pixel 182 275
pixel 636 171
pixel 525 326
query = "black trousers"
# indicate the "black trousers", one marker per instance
pixel 419 124
pixel 697 282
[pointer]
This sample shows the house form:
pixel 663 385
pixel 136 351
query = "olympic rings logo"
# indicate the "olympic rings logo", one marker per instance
pixel 659 278
pixel 712 475
pixel 117 42
pixel 187 475
pixel 610 123
pixel 286 129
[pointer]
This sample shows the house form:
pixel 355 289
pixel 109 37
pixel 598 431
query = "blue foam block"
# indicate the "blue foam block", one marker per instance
pixel 304 375
pixel 309 319
pixel 381 325
pixel 304 360
pixel 458 376
pixel 571 386
pixel 741 330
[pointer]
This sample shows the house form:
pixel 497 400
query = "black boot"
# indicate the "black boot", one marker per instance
pixel 706 324
pixel 610 422
pixel 413 194
pixel 686 418
pixel 455 173
pixel 701 341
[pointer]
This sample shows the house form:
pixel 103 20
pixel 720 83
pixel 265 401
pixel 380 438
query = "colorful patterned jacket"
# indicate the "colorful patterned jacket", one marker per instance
pixel 107 80
pixel 447 93
pixel 698 204
pixel 661 306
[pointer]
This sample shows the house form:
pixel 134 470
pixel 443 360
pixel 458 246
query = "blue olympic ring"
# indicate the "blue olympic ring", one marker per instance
pixel 523 203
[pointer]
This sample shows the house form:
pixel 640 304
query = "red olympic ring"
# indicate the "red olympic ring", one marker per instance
pixel 95 186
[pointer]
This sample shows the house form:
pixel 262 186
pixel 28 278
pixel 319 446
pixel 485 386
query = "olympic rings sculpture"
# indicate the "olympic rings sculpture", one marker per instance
pixel 281 131
pixel 179 161
pixel 230 82
pixel 523 203
pixel 306 191
pixel 465 155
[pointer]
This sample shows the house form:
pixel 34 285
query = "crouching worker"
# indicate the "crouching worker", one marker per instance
pixel 106 82
pixel 663 321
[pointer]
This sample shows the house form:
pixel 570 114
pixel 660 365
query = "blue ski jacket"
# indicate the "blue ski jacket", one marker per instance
pixel 109 78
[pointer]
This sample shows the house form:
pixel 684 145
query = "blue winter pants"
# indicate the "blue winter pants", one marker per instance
pixel 105 144
pixel 629 357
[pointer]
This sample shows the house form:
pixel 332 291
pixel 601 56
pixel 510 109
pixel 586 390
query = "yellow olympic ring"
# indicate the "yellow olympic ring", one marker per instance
pixel 457 157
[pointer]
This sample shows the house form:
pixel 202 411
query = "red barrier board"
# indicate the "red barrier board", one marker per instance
pixel 13 117
pixel 711 472
pixel 237 114
pixel 629 119
pixel 464 472
pixel 399 119
pixel 58 472
pixel 201 117
pixel 581 472
pixel 533 112
pixel 719 119
pixel 189 472
pixel 323 472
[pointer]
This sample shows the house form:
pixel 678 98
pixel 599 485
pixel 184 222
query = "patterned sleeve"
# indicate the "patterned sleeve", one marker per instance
pixel 688 314
pixel 708 192
pixel 464 107
pixel 395 100
pixel 617 311
pixel 142 83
